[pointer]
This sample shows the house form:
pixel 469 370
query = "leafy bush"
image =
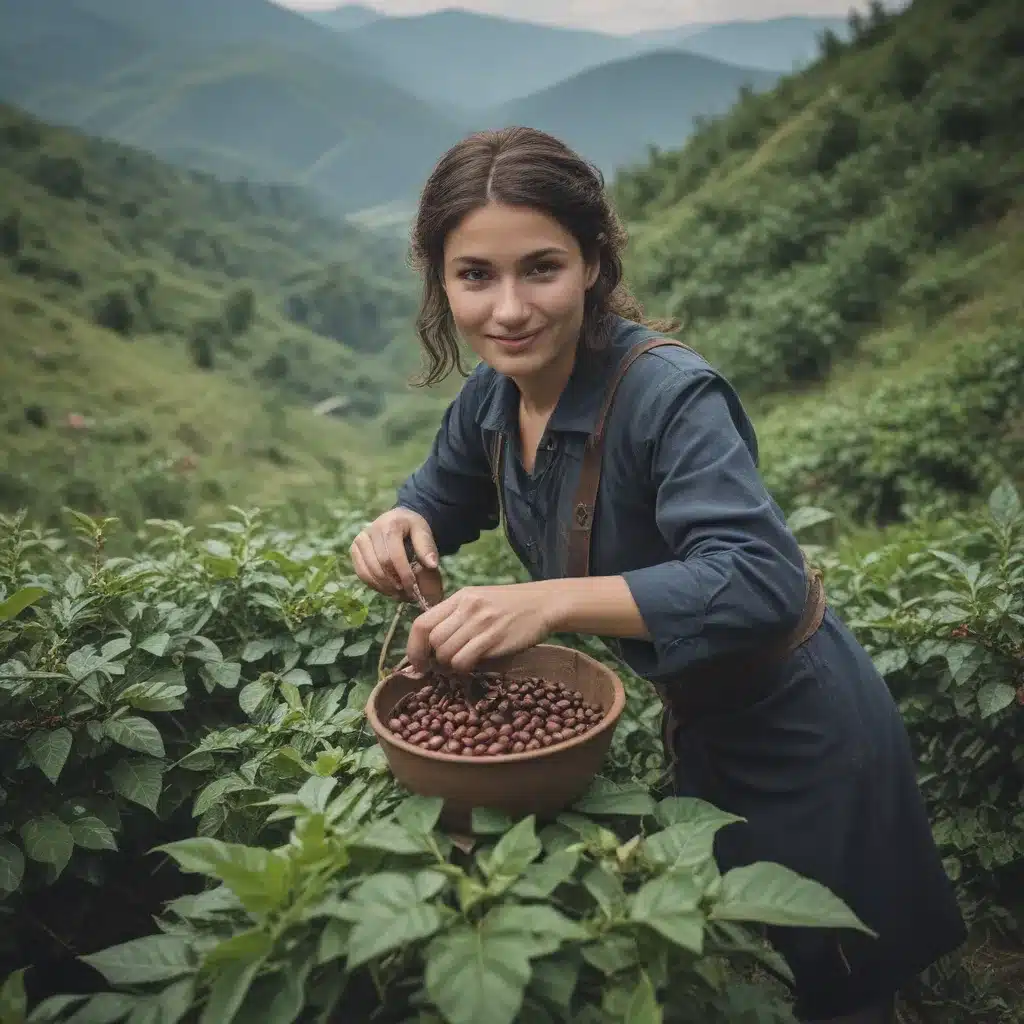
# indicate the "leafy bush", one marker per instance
pixel 943 618
pixel 934 440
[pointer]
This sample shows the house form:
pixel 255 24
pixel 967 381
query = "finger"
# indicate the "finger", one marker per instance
pixel 418 648
pixel 479 647
pixel 375 575
pixel 423 544
pixel 460 650
pixel 446 628
pixel 394 543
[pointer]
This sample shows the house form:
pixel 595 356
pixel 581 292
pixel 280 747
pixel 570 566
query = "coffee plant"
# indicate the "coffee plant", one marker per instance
pixel 183 740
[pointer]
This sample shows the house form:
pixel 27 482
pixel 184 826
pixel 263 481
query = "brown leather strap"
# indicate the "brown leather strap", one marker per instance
pixel 578 554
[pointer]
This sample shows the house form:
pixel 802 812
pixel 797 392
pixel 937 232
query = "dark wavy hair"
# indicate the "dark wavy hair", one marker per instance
pixel 518 167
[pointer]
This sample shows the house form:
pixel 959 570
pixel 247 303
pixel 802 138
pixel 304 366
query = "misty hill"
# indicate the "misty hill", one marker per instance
pixel 237 87
pixel 848 248
pixel 773 44
pixel 345 17
pixel 186 326
pixel 471 61
pixel 613 112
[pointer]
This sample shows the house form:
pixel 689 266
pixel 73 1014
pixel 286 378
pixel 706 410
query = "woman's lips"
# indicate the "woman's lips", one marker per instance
pixel 515 342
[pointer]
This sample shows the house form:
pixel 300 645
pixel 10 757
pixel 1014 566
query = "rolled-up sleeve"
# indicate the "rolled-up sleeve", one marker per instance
pixel 737 578
pixel 453 489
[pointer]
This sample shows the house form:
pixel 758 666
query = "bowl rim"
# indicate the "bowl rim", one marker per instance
pixel 609 721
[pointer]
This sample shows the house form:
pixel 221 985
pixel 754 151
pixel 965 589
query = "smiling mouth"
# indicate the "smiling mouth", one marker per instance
pixel 514 339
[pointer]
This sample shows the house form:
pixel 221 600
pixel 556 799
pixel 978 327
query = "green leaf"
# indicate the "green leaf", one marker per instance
pixel 141 961
pixel 174 1002
pixel 19 601
pixel 513 853
pixel 155 644
pixel 540 880
pixel 105 1008
pixel 613 953
pixel 548 927
pixel 420 814
pixel 253 694
pixel 259 877
pixel 605 797
pixel 230 986
pixel 358 649
pixel 221 673
pixel 13 998
pixel 327 654
pixel 643 1005
pixel 297 677
pixel 256 649
pixel 488 822
pixel 12 866
pixel 52 1009
pixel 383 927
pixel 49 750
pixel 995 697
pixel 472 975
pixel 670 905
pixel 136 733
pixel 92 834
pixel 163 692
pixel 689 836
pixel 772 894
pixel 1004 505
pixel 139 780
pixel 555 980
pixel 216 791
pixel 48 840
pixel 389 837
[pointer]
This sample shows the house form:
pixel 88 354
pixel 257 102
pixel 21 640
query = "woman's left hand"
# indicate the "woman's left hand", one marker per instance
pixel 477 623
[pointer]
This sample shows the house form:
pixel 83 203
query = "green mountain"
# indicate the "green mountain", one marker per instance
pixel 773 44
pixel 169 337
pixel 470 61
pixel 613 112
pixel 241 88
pixel 848 248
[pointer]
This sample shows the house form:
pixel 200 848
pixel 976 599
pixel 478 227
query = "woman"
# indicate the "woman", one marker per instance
pixel 647 524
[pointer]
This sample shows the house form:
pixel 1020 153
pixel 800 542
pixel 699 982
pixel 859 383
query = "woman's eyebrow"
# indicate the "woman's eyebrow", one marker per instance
pixel 535 255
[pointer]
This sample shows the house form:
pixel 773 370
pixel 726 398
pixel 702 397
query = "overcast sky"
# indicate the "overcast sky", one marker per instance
pixel 612 15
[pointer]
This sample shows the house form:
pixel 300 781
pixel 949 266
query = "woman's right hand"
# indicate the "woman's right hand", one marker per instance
pixel 380 561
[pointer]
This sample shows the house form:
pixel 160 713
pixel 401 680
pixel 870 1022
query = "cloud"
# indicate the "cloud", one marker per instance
pixel 613 15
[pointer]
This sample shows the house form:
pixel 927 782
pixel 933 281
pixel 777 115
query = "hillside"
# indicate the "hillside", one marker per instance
pixel 612 113
pixel 166 336
pixel 772 44
pixel 242 88
pixel 848 249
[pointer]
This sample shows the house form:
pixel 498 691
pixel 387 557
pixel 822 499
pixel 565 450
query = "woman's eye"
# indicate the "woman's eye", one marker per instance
pixel 546 268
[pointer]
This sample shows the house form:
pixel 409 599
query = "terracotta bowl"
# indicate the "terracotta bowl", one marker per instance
pixel 541 782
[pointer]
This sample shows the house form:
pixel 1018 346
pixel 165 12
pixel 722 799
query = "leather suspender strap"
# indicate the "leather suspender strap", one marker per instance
pixel 578 555
pixel 731 681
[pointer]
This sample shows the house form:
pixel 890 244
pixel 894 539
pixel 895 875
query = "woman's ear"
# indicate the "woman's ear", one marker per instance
pixel 593 272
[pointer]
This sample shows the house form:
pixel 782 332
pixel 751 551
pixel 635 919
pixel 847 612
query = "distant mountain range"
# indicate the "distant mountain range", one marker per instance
pixel 359 106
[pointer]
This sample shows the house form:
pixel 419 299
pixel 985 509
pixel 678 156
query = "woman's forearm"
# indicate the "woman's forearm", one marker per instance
pixel 597 605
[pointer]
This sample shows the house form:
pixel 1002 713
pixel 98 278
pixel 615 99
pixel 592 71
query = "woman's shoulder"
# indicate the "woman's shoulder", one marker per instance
pixel 672 363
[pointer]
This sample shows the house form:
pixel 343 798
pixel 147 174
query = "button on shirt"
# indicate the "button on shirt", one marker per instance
pixel 682 513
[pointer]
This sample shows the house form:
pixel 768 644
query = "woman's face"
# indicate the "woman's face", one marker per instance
pixel 516 281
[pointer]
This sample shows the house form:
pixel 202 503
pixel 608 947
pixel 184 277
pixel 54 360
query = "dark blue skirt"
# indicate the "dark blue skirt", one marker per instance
pixel 823 772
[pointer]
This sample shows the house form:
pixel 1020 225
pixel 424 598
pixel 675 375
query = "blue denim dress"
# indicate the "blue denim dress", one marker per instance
pixel 821 768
